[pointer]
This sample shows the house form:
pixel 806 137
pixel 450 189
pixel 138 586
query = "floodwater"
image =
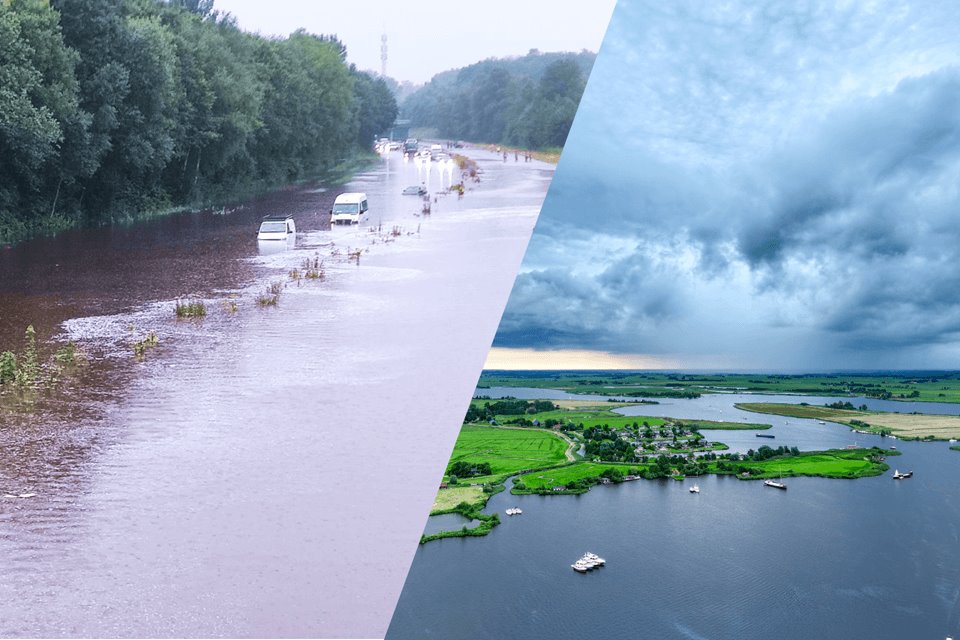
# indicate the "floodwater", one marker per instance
pixel 864 559
pixel 264 471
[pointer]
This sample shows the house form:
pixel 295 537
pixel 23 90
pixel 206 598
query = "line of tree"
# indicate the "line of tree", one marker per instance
pixel 113 107
pixel 506 407
pixel 526 102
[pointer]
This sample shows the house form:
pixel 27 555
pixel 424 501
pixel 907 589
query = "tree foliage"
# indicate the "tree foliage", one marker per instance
pixel 527 102
pixel 109 108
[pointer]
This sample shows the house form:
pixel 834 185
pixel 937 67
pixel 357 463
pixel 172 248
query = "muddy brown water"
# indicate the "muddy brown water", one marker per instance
pixel 264 471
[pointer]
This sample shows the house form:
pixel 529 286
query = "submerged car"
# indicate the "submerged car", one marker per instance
pixel 349 208
pixel 415 191
pixel 277 228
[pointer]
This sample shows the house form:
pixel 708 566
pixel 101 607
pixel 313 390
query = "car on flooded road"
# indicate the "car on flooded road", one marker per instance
pixel 276 227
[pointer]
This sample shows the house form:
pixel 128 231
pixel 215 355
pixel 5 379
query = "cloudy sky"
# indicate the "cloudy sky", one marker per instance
pixel 757 184
pixel 425 37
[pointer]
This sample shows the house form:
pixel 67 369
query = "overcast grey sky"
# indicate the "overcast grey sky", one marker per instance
pixel 755 184
pixel 425 37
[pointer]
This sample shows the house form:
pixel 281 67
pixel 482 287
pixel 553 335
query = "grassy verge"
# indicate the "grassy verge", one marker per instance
pixel 550 155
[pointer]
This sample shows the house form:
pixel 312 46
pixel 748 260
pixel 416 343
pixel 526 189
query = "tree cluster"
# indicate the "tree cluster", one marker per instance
pixel 506 407
pixel 464 469
pixel 109 108
pixel 526 102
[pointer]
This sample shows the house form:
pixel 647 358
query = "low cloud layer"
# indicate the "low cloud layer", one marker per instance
pixel 763 185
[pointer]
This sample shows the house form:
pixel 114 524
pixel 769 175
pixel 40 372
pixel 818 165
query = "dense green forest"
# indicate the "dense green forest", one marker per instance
pixel 112 108
pixel 527 102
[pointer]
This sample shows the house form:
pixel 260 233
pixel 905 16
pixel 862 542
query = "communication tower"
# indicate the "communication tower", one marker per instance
pixel 383 55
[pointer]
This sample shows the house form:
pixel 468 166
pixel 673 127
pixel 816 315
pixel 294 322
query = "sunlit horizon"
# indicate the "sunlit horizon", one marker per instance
pixel 525 359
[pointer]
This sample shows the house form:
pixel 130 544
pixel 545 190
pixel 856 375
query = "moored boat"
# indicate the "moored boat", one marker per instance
pixel 774 484
pixel 588 562
pixel 695 489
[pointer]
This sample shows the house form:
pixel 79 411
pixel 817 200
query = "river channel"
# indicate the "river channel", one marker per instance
pixel 855 559
pixel 264 471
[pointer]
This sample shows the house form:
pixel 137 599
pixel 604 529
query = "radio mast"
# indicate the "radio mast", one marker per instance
pixel 383 55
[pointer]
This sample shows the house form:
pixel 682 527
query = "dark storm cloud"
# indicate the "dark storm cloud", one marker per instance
pixel 777 185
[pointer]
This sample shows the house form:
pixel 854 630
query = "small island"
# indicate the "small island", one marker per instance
pixel 908 426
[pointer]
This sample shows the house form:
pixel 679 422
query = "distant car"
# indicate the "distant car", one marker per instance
pixel 458 144
pixel 414 191
pixel 395 146
pixel 276 228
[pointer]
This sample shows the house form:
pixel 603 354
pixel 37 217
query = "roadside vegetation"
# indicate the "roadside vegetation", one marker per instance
pixel 35 367
pixel 527 102
pixel 120 109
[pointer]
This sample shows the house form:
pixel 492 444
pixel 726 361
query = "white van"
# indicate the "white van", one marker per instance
pixel 276 228
pixel 349 208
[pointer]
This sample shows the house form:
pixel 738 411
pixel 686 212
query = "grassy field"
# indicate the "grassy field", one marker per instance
pixel 507 450
pixel 449 498
pixel 723 426
pixel 926 387
pixel 834 463
pixel 801 411
pixel 902 425
pixel 561 476
pixel 600 413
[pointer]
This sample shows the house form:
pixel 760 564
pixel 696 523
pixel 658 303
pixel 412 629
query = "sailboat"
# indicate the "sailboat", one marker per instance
pixel 776 484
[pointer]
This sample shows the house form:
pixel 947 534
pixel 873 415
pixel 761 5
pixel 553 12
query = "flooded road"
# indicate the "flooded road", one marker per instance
pixel 264 471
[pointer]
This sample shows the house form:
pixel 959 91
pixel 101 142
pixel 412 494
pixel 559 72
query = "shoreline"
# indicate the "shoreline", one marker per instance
pixel 883 423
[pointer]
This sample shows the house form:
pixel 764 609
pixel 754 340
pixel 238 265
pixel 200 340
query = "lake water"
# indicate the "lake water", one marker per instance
pixel 260 473
pixel 856 559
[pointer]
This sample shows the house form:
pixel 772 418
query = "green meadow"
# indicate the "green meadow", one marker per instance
pixel 833 463
pixel 933 387
pixel 562 476
pixel 507 450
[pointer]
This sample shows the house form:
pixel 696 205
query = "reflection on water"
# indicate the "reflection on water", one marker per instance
pixel 232 481
pixel 267 247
